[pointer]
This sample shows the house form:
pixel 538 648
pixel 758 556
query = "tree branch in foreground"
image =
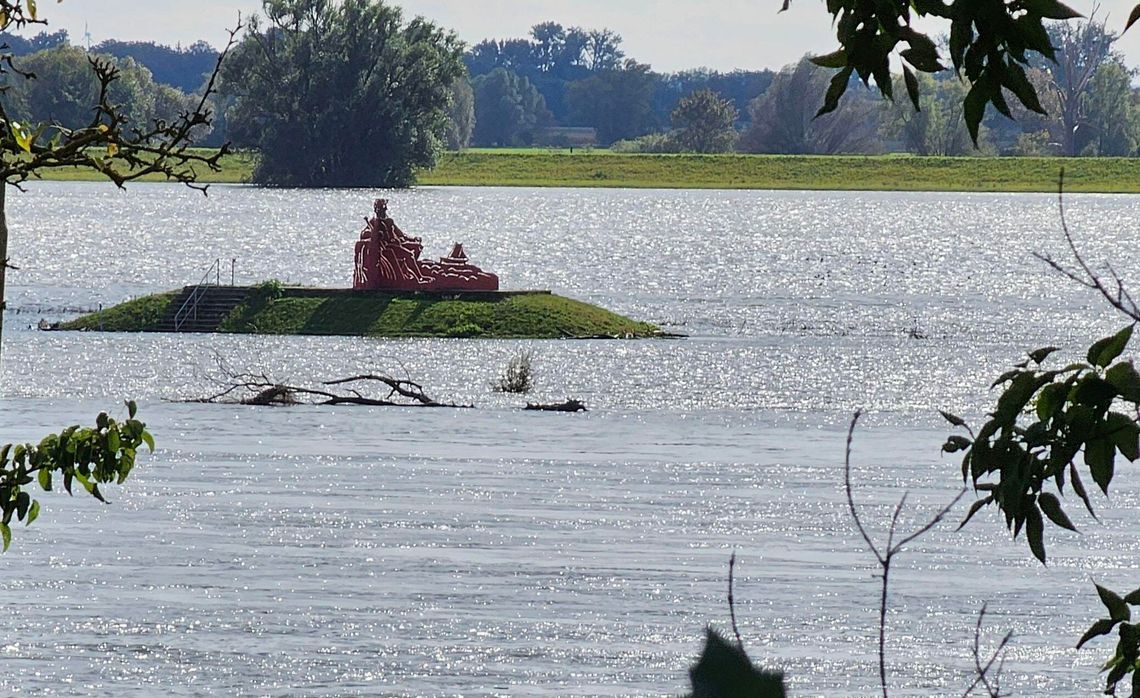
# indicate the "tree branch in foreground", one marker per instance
pixel 988 676
pixel 1112 290
pixel 886 555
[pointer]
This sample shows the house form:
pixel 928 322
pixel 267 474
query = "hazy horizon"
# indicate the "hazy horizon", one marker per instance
pixel 670 35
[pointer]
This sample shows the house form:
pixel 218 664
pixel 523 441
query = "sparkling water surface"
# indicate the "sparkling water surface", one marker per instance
pixel 416 552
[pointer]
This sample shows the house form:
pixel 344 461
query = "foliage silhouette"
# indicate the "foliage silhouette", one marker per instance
pixel 990 44
pixel 724 670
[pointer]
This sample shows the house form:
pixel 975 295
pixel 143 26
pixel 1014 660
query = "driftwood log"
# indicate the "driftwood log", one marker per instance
pixel 568 406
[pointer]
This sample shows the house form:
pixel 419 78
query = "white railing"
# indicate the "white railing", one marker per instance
pixel 189 309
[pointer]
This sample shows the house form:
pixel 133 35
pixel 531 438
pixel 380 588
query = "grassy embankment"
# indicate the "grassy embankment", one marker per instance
pixel 309 312
pixel 889 172
pixel 601 168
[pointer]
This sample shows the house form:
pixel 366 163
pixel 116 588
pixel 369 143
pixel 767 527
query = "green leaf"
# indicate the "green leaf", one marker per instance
pixel 132 409
pixel 1100 456
pixel 45 479
pixel 1016 396
pixel 1051 399
pixel 1126 380
pixel 1079 488
pixel 1134 599
pixel 6 534
pixel 1125 434
pixel 1034 34
pixel 835 59
pixel 974 509
pixel 961 36
pixel 1094 392
pixel 1052 508
pixel 1117 609
pixel 955 444
pixel 1034 531
pixel 1038 356
pixel 1118 671
pixel 1051 9
pixel 1101 627
pixel 1018 83
pixel 23 501
pixel 923 58
pixel 22 136
pixel 1132 17
pixel 911 87
pixel 953 419
pixel 1005 378
pixel 33 513
pixel 148 440
pixel 835 90
pixel 1105 351
pixel 113 441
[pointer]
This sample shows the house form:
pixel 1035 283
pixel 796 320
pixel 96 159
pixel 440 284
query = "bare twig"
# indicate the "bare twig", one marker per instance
pixel 886 555
pixel 1113 290
pixel 991 684
pixel 732 601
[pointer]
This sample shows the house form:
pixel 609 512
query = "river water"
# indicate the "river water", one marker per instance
pixel 405 552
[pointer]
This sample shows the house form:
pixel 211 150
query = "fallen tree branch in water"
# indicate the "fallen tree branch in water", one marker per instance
pixel 248 388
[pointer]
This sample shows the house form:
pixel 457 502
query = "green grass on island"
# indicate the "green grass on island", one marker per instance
pixel 537 167
pixel 137 315
pixel 374 314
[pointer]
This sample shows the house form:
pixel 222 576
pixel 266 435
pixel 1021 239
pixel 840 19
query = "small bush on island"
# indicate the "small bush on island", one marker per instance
pixel 518 377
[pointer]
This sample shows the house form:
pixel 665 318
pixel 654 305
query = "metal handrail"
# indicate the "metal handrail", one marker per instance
pixel 190 305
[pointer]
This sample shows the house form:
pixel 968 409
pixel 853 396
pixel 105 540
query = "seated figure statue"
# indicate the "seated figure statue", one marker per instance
pixel 387 259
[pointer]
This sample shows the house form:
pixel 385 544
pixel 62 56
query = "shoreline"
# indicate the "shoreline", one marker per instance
pixel 273 309
pixel 595 169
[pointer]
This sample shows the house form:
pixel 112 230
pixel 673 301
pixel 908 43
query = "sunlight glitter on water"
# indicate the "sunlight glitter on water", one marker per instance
pixel 492 552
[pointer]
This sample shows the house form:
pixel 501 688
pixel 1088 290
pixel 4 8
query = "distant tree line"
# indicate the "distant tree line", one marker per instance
pixel 155 83
pixel 532 89
pixel 562 77
pixel 350 93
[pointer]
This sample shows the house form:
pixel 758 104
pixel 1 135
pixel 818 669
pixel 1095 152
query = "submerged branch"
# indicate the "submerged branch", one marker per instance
pixel 250 388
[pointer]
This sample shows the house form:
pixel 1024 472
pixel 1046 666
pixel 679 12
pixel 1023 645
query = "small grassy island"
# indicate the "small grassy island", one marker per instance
pixel 271 308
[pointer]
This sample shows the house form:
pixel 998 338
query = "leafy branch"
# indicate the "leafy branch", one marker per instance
pixel 990 44
pixel 1048 421
pixel 89 456
pixel 1126 659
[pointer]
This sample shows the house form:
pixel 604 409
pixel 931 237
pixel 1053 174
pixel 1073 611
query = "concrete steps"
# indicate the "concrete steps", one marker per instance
pixel 211 306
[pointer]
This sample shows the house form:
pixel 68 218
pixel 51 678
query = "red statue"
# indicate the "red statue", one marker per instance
pixel 389 260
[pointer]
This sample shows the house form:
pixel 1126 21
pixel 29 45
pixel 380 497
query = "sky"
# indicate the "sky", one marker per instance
pixel 670 35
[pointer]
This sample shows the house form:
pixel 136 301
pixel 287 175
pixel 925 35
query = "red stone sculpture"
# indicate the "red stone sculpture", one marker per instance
pixel 389 260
